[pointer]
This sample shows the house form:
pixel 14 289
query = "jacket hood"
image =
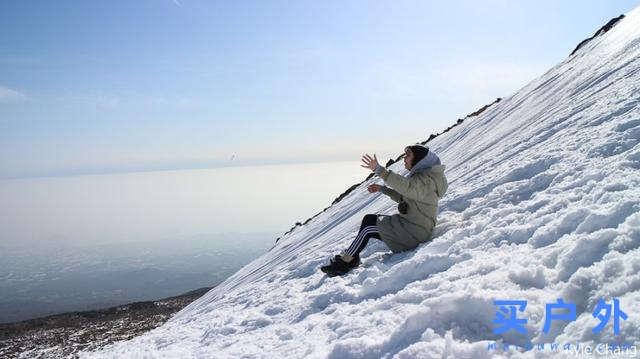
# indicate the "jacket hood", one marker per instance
pixel 437 175
pixel 430 160
pixel 431 165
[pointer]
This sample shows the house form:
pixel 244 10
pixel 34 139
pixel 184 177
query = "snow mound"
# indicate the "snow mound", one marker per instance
pixel 543 203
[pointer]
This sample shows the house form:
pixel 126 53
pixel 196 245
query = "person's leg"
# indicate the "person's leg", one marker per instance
pixel 368 229
pixel 349 258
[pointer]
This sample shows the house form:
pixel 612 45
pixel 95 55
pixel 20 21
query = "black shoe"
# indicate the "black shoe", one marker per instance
pixel 354 262
pixel 339 266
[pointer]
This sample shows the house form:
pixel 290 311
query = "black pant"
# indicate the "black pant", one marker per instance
pixel 368 229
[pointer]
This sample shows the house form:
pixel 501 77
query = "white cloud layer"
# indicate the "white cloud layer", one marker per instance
pixel 8 95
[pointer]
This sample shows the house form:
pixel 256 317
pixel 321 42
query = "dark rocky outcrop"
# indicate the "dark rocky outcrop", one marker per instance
pixel 481 109
pixel 601 31
pixel 64 335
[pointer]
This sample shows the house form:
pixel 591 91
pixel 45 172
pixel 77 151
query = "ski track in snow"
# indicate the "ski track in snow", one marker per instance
pixel 543 203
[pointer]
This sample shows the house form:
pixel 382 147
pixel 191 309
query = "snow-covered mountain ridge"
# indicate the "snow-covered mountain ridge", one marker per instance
pixel 543 203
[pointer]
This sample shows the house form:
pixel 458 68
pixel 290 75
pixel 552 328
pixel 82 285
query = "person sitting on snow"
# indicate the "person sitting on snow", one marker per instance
pixel 417 196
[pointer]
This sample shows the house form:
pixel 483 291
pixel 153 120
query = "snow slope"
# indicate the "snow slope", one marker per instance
pixel 543 203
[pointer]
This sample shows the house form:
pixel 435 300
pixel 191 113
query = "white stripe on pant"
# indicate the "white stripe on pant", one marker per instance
pixel 360 238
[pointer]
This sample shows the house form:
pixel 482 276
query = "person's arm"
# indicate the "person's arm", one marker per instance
pixel 414 187
pixel 391 193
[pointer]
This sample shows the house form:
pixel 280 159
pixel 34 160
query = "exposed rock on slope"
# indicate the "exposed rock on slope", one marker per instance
pixel 64 335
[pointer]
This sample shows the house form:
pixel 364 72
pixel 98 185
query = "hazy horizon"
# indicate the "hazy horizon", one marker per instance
pixel 185 166
pixel 147 206
pixel 88 241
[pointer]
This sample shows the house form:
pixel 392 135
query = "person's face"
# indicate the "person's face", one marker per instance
pixel 408 159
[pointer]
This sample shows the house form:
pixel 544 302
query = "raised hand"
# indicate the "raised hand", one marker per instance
pixel 370 162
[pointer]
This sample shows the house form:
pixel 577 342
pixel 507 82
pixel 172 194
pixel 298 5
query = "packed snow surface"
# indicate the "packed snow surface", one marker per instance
pixel 543 203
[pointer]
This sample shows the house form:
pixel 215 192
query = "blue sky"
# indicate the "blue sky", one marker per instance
pixel 88 86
